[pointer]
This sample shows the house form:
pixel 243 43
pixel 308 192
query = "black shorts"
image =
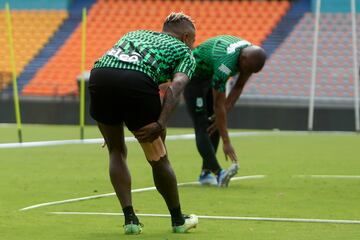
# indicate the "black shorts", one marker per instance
pixel 123 96
pixel 199 98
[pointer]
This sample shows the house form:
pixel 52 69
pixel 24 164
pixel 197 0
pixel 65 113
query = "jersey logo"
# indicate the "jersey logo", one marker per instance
pixel 232 47
pixel 199 102
pixel 224 69
pixel 125 57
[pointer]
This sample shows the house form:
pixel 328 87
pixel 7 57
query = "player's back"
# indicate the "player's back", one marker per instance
pixel 156 54
pixel 215 49
pixel 216 46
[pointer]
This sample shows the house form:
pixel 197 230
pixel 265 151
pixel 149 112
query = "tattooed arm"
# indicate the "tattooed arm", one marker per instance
pixel 172 97
pixel 171 100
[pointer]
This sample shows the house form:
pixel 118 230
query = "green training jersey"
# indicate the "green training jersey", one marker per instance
pixel 158 55
pixel 217 58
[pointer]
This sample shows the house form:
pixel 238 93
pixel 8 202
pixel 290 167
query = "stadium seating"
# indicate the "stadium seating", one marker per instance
pixel 110 19
pixel 288 72
pixel 31 31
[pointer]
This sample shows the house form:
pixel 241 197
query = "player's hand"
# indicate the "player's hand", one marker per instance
pixel 211 118
pixel 213 127
pixel 229 152
pixel 149 132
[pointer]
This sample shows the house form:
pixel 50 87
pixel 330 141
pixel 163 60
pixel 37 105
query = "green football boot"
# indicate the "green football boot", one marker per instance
pixel 191 221
pixel 133 229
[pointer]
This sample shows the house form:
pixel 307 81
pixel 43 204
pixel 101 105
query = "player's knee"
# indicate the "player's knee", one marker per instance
pixel 162 163
pixel 116 149
pixel 155 150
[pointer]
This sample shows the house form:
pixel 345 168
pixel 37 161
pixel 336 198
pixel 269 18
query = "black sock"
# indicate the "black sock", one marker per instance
pixel 130 216
pixel 206 171
pixel 177 218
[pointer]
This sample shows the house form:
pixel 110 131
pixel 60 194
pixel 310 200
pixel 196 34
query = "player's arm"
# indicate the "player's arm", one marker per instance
pixel 182 75
pixel 221 123
pixel 171 99
pixel 220 114
pixel 237 90
pixel 221 74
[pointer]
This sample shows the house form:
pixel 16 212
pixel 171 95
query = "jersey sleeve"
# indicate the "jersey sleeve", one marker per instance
pixel 186 65
pixel 222 72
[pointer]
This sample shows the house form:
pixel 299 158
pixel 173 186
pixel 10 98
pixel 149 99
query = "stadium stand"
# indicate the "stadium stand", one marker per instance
pixel 287 74
pixel 286 25
pixel 31 30
pixel 110 19
pixel 37 4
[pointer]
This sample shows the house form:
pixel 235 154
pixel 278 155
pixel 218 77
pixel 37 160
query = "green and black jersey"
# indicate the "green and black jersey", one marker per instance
pixel 217 58
pixel 158 55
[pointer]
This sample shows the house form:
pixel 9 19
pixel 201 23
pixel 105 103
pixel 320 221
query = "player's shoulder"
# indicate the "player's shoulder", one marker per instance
pixel 229 39
pixel 237 45
pixel 218 43
pixel 222 38
pixel 229 45
pixel 140 32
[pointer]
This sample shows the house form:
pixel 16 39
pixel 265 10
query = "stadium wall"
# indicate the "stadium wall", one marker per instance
pixel 335 6
pixel 246 115
pixel 36 4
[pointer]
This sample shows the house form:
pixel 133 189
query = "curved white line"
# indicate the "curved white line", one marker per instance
pixel 67 201
pixel 302 220
pixel 133 191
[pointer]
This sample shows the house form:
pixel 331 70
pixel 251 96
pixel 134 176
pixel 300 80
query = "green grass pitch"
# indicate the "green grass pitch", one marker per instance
pixel 43 174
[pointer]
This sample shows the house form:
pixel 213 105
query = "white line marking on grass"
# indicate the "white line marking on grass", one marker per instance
pixel 67 201
pixel 57 143
pixel 133 191
pixel 247 177
pixel 168 138
pixel 302 220
pixel 329 176
pixel 100 140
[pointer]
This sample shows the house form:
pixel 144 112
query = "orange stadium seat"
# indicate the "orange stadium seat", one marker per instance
pixel 108 20
pixel 31 31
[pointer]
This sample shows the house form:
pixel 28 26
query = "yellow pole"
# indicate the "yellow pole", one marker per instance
pixel 13 68
pixel 82 81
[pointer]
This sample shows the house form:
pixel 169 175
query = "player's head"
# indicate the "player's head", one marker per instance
pixel 180 26
pixel 252 59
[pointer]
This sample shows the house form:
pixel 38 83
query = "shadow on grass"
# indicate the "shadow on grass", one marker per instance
pixel 147 235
